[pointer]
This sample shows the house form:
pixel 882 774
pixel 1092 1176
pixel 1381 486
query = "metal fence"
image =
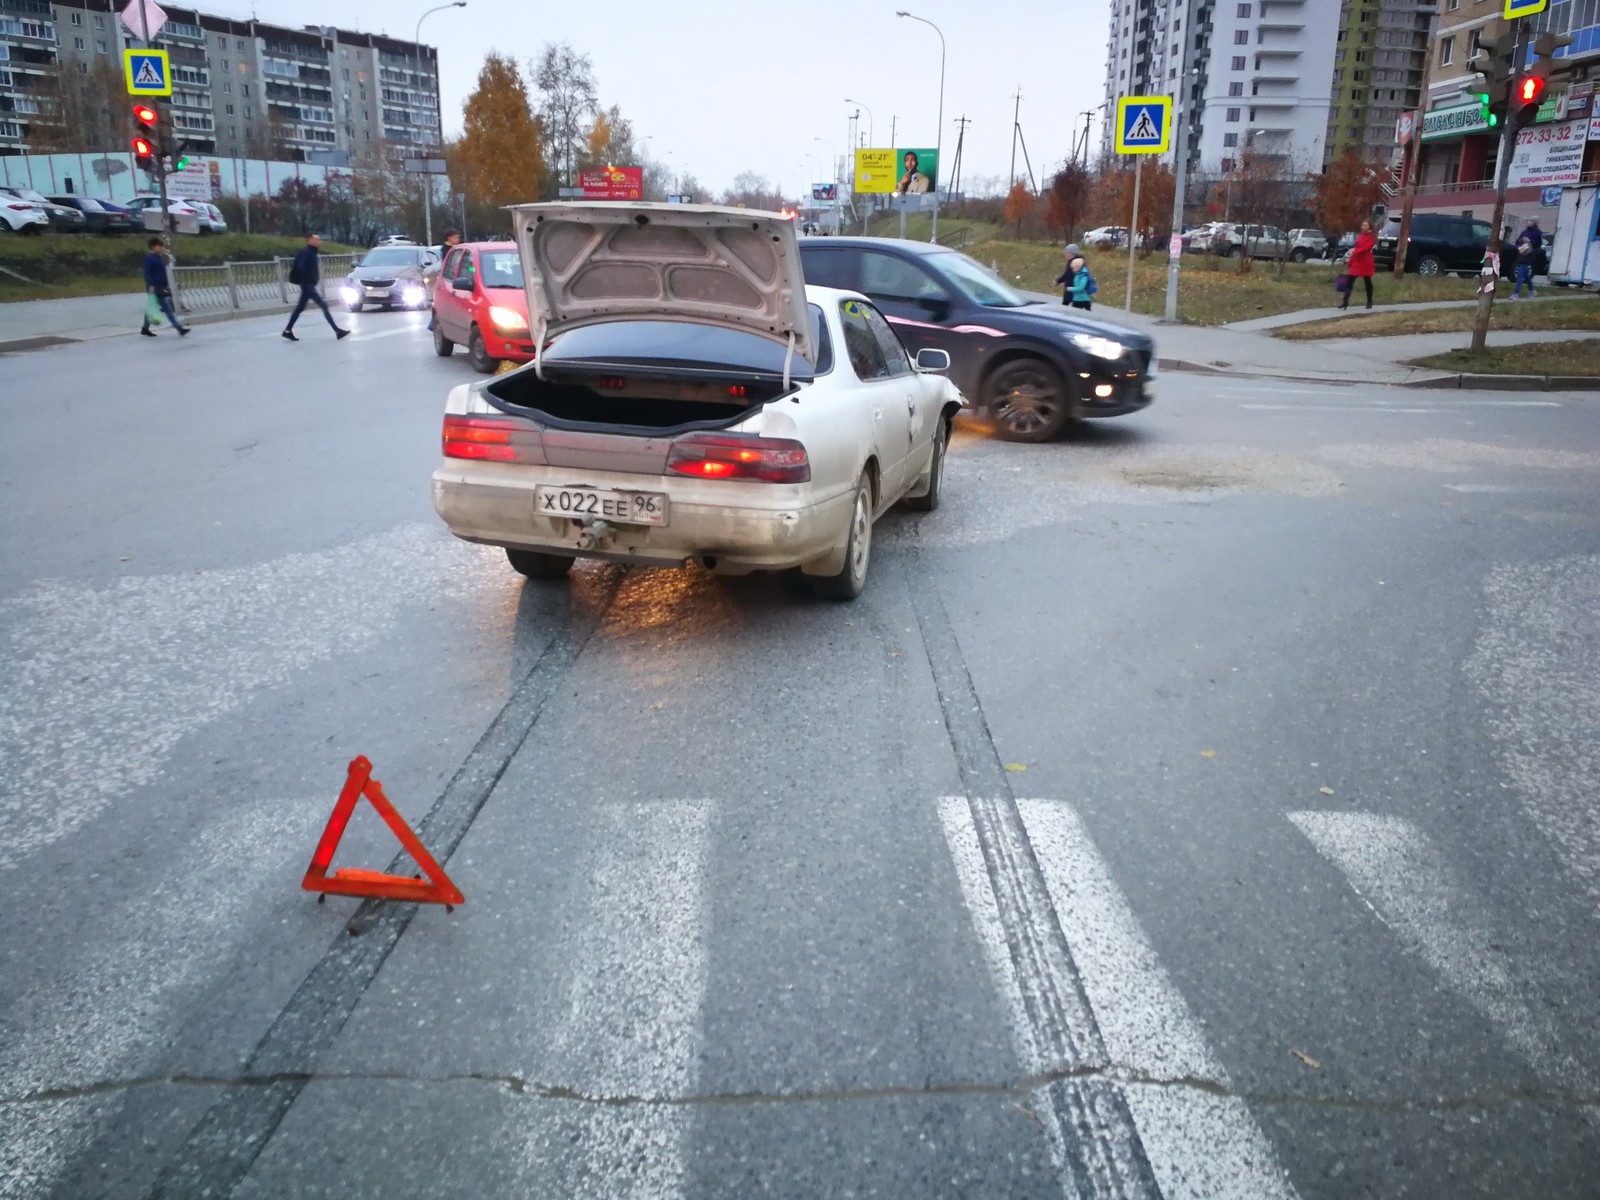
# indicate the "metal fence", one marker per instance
pixel 234 285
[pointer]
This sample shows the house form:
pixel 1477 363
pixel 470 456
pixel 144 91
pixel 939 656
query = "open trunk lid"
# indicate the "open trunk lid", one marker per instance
pixel 734 268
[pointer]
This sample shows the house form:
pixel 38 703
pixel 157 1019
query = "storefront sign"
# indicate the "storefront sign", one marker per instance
pixel 1549 154
pixel 1454 121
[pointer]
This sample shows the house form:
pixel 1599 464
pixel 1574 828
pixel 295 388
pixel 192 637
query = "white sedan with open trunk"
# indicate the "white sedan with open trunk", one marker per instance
pixel 692 401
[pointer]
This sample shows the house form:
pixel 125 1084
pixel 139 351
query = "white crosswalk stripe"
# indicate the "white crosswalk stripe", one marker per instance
pixel 1399 876
pixel 1200 1142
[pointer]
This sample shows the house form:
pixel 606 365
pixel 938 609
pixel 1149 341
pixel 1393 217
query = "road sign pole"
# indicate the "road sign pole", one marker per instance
pixel 1180 164
pixel 1133 226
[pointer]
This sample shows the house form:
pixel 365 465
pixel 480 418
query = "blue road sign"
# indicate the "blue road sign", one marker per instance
pixel 1143 124
pixel 148 72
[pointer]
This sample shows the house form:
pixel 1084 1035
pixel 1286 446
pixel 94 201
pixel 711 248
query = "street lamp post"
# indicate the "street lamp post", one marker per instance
pixel 427 179
pixel 871 137
pixel 938 141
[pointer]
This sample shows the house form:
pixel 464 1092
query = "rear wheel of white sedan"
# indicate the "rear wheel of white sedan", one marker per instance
pixel 852 578
pixel 535 565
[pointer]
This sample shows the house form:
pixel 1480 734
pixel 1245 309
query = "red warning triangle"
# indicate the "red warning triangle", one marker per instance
pixel 349 881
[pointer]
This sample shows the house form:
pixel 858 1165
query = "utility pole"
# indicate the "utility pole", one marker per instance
pixel 955 168
pixel 1016 113
pixel 1413 160
pixel 1181 117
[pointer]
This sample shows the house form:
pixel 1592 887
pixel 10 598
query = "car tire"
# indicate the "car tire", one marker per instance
pixel 1428 264
pixel 442 346
pixel 852 577
pixel 535 564
pixel 355 305
pixel 478 353
pixel 929 500
pixel 1027 399
pixel 1299 256
pixel 1235 251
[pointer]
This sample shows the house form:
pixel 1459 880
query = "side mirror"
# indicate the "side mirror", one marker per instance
pixel 933 361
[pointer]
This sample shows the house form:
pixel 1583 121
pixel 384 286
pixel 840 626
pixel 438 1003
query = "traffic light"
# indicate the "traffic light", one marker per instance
pixel 180 158
pixel 1529 92
pixel 1486 110
pixel 1491 58
pixel 147 140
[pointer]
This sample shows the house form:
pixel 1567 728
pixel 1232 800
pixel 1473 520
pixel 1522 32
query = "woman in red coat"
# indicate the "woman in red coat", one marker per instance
pixel 1360 265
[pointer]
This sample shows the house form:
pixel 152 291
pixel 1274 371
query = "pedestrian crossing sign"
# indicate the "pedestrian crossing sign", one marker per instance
pixel 148 72
pixel 1144 124
pixel 1523 8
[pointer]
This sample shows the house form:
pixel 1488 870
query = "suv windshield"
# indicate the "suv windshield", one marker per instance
pixel 977 283
pixel 392 256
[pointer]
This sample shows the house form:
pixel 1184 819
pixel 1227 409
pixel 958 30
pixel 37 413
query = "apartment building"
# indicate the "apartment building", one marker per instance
pixel 1378 66
pixel 1260 71
pixel 240 88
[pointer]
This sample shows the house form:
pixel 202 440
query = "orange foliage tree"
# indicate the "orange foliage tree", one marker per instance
pixel 1020 206
pixel 1344 194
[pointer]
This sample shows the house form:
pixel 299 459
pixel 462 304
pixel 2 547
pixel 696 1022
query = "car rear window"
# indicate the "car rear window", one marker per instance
pixel 680 344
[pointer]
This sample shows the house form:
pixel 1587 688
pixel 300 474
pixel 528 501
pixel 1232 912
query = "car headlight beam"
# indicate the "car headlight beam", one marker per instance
pixel 507 318
pixel 1101 347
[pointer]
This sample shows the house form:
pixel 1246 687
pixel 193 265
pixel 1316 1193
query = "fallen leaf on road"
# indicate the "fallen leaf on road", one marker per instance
pixel 1016 766
pixel 1208 754
pixel 1028 1112
pixel 1307 1059
pixel 1326 791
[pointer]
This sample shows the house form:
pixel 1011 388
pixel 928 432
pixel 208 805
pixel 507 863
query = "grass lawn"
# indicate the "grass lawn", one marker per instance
pixel 1210 290
pixel 1530 358
pixel 68 264
pixel 1554 314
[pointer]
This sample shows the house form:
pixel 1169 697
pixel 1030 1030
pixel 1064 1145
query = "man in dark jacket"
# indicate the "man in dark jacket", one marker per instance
pixel 306 271
pixel 158 284
pixel 452 239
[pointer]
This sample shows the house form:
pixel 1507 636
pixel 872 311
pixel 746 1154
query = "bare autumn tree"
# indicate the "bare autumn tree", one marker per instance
pixel 1344 194
pixel 498 158
pixel 1020 206
pixel 1066 199
pixel 81 110
pixel 565 80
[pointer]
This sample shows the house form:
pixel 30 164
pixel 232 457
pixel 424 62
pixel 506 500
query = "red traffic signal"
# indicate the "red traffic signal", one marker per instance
pixel 144 114
pixel 1529 89
pixel 142 147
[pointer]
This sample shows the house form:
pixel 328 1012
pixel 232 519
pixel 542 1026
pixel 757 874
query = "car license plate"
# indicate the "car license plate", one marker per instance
pixel 627 508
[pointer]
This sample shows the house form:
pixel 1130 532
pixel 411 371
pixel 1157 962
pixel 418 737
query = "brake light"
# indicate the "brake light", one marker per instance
pixel 479 437
pixel 730 456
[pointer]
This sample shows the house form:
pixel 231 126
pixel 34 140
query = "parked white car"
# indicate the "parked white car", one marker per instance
pixel 19 216
pixel 218 222
pixel 698 403
pixel 1106 237
pixel 176 208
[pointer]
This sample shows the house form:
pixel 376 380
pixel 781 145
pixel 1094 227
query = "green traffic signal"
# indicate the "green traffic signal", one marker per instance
pixel 183 161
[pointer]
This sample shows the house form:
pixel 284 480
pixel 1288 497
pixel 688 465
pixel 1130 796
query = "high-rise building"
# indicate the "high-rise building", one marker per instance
pixel 1262 70
pixel 240 88
pixel 1377 74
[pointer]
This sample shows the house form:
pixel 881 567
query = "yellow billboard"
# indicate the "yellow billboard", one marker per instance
pixel 875 171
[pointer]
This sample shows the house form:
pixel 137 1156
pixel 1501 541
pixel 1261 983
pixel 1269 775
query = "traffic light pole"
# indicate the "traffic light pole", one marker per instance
pixel 1413 160
pixel 160 162
pixel 1502 174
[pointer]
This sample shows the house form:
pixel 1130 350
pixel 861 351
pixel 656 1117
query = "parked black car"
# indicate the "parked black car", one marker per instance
pixel 1030 365
pixel 99 217
pixel 1441 243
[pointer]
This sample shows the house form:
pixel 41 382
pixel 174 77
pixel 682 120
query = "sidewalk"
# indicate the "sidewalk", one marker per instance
pixel 1279 320
pixel 1420 345
pixel 29 324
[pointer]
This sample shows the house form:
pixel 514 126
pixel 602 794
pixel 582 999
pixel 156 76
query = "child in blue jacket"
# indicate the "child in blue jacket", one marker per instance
pixel 1081 286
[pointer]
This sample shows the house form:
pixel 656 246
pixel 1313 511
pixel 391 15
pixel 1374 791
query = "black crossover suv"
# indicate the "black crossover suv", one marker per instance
pixel 1031 366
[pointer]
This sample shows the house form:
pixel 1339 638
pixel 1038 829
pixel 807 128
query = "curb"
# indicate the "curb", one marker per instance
pixel 1511 383
pixel 46 341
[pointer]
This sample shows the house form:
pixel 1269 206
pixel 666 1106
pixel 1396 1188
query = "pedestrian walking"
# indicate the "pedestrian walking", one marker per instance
pixel 1532 234
pixel 306 271
pixel 1527 252
pixel 1361 265
pixel 1071 254
pixel 452 239
pixel 158 289
pixel 1083 285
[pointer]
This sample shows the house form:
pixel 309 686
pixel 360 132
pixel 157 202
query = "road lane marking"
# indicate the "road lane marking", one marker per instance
pixel 382 333
pixel 1139 1032
pixel 1361 408
pixel 631 1027
pixel 1487 488
pixel 1407 885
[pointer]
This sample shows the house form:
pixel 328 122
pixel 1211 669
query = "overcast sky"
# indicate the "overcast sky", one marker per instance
pixel 724 86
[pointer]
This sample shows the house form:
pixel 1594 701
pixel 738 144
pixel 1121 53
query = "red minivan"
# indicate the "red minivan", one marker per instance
pixel 479 303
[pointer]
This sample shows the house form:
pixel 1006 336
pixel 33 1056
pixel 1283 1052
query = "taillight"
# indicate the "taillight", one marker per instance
pixel 729 456
pixel 479 437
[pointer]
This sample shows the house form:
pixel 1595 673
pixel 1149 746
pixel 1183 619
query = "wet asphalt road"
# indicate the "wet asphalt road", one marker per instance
pixel 1206 805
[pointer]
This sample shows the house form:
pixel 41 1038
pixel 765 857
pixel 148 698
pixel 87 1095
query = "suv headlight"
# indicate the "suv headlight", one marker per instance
pixel 1101 347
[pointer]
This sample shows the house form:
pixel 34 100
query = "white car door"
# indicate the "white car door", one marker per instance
pixel 888 394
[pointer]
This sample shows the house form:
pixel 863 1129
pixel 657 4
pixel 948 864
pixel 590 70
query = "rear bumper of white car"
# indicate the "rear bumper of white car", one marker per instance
pixel 732 528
